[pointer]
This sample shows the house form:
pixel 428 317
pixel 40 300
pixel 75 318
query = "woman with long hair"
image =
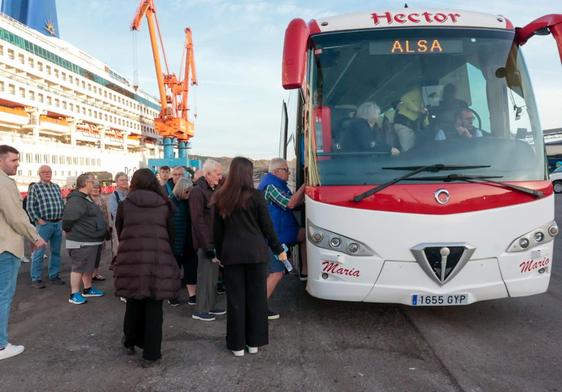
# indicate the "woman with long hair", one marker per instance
pixel 242 231
pixel 145 270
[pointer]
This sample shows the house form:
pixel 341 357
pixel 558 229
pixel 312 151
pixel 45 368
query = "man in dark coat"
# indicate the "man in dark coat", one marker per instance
pixel 202 228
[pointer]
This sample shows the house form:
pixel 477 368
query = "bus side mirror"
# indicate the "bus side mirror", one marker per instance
pixel 294 54
pixel 552 23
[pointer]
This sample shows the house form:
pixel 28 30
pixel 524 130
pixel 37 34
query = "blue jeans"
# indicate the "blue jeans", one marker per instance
pixel 9 267
pixel 51 232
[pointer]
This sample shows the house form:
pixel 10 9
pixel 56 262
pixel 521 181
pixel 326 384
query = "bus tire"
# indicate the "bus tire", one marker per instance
pixel 557 186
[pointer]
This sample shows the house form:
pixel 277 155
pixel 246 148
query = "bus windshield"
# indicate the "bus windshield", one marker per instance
pixel 417 97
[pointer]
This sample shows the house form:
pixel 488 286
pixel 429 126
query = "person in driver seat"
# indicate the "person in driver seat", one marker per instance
pixel 463 128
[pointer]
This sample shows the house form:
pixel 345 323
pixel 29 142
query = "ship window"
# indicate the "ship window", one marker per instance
pixel 75 160
pixel 45 158
pixel 11 89
pixel 48 69
pixel 40 66
pixel 53 159
pixel 64 104
pixel 31 62
pixel 49 100
pixel 83 84
pixel 40 97
pixel 37 158
pixel 31 95
pixel 83 110
pixel 22 92
pixel 90 112
pixel 63 76
pixel 28 157
pixel 1 50
pixel 11 54
pixel 56 73
pixel 21 58
pixel 57 102
pixel 71 107
pixel 1 86
pixel 70 79
pixel 29 173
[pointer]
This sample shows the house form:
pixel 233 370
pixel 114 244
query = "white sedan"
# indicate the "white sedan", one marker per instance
pixel 556 178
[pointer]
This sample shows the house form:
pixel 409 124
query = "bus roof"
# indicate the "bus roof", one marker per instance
pixel 410 18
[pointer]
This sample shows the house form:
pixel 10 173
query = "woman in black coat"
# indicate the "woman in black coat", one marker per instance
pixel 242 229
pixel 145 270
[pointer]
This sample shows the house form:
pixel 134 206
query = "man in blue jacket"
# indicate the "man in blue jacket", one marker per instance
pixel 280 203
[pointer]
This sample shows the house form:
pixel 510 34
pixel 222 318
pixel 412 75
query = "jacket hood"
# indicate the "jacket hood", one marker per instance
pixel 146 199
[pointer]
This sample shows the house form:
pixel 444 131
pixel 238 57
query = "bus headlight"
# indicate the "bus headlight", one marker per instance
pixel 533 238
pixel 326 239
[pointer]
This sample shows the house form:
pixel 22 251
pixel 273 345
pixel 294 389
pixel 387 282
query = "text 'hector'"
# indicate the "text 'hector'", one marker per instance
pixel 415 17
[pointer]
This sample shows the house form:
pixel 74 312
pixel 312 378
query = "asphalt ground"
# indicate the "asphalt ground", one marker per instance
pixel 316 345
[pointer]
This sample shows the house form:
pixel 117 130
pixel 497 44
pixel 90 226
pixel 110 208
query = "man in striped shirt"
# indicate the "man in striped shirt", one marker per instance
pixel 45 206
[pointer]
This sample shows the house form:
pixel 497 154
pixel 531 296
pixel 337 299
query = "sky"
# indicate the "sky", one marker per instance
pixel 238 49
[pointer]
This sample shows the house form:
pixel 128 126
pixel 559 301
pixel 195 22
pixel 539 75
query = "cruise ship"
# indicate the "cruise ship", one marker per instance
pixel 62 107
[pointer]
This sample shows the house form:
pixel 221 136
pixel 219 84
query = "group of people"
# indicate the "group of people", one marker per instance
pixel 166 233
pixel 406 123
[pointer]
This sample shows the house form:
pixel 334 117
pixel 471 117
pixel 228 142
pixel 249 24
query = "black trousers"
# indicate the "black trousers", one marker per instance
pixel 246 317
pixel 143 326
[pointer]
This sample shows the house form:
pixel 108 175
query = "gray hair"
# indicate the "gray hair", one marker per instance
pixel 120 174
pixel 181 186
pixel 179 168
pixel 210 165
pixel 368 110
pixel 83 179
pixel 276 163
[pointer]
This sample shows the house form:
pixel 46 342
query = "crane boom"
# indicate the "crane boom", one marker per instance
pixel 173 119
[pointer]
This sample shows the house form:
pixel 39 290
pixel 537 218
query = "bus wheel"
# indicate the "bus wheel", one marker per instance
pixel 557 186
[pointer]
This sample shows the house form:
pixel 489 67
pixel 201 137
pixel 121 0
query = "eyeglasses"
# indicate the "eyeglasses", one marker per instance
pixel 285 169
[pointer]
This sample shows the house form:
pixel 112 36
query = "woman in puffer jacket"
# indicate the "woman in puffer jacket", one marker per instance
pixel 145 270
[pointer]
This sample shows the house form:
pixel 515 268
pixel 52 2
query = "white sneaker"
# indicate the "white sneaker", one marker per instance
pixel 11 351
pixel 25 259
pixel 238 353
pixel 252 350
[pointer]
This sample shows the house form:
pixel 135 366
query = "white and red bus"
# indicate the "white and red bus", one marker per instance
pixel 442 218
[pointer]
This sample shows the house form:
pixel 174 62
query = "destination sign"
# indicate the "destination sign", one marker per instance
pixel 415 46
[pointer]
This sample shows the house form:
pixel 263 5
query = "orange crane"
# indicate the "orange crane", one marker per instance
pixel 173 120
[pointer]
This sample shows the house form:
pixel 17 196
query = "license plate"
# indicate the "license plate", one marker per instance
pixel 439 300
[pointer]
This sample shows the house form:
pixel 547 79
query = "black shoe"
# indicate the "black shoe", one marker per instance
pixel 220 289
pixel 271 315
pixel 38 284
pixel 57 281
pixel 192 300
pixel 128 350
pixel 147 363
pixel 174 302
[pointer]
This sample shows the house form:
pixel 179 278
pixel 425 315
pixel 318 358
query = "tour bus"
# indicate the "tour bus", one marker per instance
pixel 418 139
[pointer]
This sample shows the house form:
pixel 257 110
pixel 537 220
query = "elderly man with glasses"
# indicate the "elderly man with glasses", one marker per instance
pixel 280 204
pixel 45 207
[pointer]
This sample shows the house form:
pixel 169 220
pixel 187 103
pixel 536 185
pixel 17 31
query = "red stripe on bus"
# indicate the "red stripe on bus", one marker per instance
pixel 420 198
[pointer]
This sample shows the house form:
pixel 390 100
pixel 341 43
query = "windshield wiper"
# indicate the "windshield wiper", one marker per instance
pixel 414 170
pixel 482 180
